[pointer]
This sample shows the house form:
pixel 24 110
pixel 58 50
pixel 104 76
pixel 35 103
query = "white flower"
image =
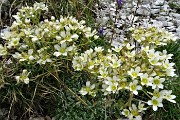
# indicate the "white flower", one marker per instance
pixel 5 33
pixel 115 63
pixel 134 87
pixel 155 102
pixel 168 65
pixel 98 49
pixel 170 72
pixel 152 54
pixel 134 73
pixel 158 94
pixel 74 36
pixel 88 89
pixel 117 48
pixel 3 50
pixel 63 50
pixel 103 74
pixel 126 112
pixel 17 55
pixel 141 107
pixel 58 37
pixel 14 42
pixel 23 77
pixel 112 87
pixel 157 82
pixel 145 80
pixel 154 61
pixel 131 54
pixel 168 96
pixel 30 52
pixel 129 47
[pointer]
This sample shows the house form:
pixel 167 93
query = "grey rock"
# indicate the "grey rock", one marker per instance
pixel 171 28
pixel 155 7
pixel 144 10
pixel 155 11
pixel 167 24
pixel 159 2
pixel 178 23
pixel 166 7
pixel 178 31
pixel 164 13
pixel 161 18
pixel 176 15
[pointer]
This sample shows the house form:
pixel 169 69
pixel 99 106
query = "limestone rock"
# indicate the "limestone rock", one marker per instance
pixel 159 2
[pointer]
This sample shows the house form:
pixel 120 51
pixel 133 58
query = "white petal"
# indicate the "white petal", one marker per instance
pixel 63 34
pixel 135 92
pixel 161 86
pixel 173 101
pixel 155 108
pixel 57 54
pixel 160 105
pixel 92 86
pixel 149 102
pixel 63 45
pixel 57 47
pixel 88 83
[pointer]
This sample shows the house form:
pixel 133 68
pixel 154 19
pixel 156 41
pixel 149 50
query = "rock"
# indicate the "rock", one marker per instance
pixel 144 10
pixel 155 7
pixel 178 23
pixel 37 118
pixel 159 2
pixel 155 11
pixel 123 17
pixel 164 13
pixel 178 31
pixel 167 24
pixel 171 28
pixel 157 23
pixel 176 15
pixel 161 18
pixel 166 7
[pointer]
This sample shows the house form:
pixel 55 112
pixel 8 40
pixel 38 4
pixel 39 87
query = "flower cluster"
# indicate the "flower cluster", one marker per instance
pixel 133 65
pixel 36 41
pixel 134 112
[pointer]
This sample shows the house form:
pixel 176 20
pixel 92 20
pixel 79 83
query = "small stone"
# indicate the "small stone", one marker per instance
pixel 178 31
pixel 157 23
pixel 159 2
pixel 155 7
pixel 178 23
pixel 164 13
pixel 161 18
pixel 155 11
pixel 143 11
pixel 123 17
pixel 167 24
pixel 176 15
pixel 166 7
pixel 171 28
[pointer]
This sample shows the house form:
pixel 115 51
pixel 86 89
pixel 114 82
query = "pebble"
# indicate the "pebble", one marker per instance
pixel 176 15
pixel 167 24
pixel 159 2
pixel 155 11
pixel 178 23
pixel 161 18
pixel 143 11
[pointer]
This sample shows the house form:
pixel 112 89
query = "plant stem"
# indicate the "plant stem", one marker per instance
pixel 66 87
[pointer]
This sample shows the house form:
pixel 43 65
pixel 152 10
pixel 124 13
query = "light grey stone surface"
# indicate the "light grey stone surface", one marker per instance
pixel 149 13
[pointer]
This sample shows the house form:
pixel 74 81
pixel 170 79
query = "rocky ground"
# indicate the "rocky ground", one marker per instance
pixel 159 13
